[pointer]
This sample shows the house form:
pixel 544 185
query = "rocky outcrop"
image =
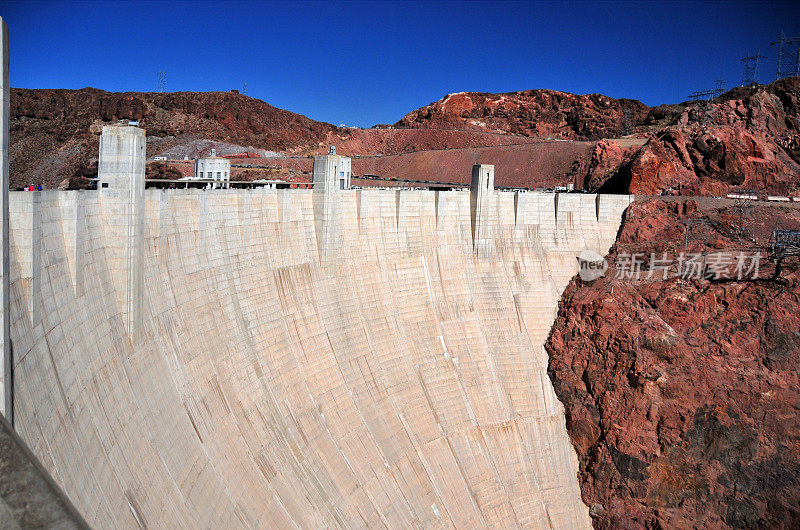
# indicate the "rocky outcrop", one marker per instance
pixel 536 113
pixel 748 138
pixel 681 396
pixel 606 160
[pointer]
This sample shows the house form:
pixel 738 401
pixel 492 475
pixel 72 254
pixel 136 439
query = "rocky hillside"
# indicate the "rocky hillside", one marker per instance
pixel 749 137
pixel 55 133
pixel 681 395
pixel 541 113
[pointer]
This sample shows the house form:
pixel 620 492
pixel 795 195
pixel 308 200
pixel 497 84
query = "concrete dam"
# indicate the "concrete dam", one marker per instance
pixel 296 358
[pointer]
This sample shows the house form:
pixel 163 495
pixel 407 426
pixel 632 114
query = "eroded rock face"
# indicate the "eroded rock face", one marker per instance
pixel 606 160
pixel 681 396
pixel 535 113
pixel 748 138
pixel 160 170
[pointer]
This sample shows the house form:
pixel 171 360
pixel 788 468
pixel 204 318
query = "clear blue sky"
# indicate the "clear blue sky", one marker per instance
pixel 372 62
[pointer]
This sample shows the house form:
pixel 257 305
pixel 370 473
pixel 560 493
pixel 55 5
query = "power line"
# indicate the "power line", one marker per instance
pixel 718 89
pixel 702 99
pixel 788 56
pixel 750 73
pixel 704 95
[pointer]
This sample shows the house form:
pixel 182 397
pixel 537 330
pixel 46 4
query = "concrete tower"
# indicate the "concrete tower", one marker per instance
pixel 481 198
pixel 331 175
pixel 332 171
pixel 122 158
pixel 121 176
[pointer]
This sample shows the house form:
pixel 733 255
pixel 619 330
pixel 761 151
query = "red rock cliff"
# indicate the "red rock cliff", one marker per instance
pixel 681 396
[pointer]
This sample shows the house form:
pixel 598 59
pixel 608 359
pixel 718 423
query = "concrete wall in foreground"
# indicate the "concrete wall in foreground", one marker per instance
pixel 399 381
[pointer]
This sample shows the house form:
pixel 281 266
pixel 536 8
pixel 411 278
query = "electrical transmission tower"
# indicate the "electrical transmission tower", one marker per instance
pixel 701 95
pixel 244 88
pixel 704 95
pixel 162 81
pixel 627 121
pixel 745 202
pixel 695 231
pixel 750 74
pixel 702 99
pixel 788 56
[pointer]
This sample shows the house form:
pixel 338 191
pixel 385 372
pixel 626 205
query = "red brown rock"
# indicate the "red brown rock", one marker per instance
pixel 681 396
pixel 748 138
pixel 162 171
pixel 534 113
pixel 606 160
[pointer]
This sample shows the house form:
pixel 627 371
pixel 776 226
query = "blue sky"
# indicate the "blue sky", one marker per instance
pixel 362 63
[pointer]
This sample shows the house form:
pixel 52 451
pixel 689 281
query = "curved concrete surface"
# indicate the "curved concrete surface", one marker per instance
pixel 222 371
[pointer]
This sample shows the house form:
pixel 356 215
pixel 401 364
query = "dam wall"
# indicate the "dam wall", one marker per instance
pixel 214 362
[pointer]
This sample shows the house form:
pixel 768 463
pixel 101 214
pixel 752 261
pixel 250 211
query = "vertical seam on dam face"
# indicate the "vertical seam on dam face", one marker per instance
pixel 80 244
pixel 555 207
pixel 302 358
pixel 36 259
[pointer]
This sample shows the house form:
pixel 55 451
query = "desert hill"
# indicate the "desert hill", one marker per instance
pixel 747 137
pixel 543 113
pixel 55 132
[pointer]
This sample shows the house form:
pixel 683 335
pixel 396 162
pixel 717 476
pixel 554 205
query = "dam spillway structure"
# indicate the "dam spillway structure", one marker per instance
pixel 204 359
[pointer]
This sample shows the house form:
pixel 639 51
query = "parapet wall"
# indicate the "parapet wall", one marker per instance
pixel 396 378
